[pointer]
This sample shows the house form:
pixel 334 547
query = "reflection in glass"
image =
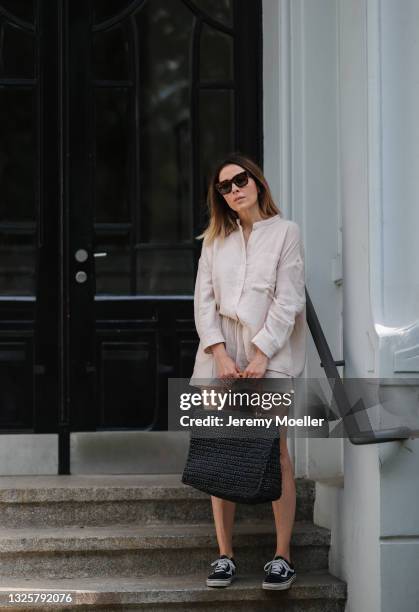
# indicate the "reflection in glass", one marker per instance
pixel 112 172
pixel 216 55
pixel 216 111
pixel 165 272
pixel 164 34
pixel 143 140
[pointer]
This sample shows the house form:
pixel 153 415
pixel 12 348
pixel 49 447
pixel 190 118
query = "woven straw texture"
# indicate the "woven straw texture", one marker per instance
pixel 240 469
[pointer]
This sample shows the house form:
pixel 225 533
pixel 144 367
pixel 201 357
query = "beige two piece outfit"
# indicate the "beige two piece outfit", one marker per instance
pixel 250 296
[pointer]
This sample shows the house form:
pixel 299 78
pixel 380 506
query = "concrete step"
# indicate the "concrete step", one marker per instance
pixel 311 592
pixel 35 501
pixel 126 550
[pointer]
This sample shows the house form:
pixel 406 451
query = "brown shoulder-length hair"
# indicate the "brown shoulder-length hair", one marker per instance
pixel 222 219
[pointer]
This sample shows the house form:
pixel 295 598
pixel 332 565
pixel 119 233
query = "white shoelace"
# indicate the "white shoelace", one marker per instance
pixel 222 565
pixel 276 566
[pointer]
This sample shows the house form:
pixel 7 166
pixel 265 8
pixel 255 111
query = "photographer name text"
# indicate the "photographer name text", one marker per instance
pixel 218 421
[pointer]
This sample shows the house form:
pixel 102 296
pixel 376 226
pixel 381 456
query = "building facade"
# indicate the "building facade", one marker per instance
pixel 112 113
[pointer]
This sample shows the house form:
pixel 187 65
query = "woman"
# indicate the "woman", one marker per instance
pixel 249 307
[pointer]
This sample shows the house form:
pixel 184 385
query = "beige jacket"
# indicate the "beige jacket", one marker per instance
pixel 262 286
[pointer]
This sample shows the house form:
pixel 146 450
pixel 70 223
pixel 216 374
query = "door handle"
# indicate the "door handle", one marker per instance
pixel 81 255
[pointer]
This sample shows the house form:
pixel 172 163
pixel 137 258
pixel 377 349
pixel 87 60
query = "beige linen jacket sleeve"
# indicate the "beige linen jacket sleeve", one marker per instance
pixel 207 318
pixel 289 298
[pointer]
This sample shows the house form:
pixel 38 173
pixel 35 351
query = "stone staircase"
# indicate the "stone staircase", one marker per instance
pixel 145 542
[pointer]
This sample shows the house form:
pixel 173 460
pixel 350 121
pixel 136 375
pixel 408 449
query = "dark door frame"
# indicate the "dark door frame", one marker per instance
pixel 48 319
pixel 64 361
pixel 64 336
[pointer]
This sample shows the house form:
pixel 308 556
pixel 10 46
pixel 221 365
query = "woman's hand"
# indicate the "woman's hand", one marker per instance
pixel 225 366
pixel 257 367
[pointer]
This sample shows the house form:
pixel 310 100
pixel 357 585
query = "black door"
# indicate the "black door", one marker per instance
pixel 112 113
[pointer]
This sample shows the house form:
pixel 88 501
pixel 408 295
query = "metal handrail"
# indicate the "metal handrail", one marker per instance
pixel 346 412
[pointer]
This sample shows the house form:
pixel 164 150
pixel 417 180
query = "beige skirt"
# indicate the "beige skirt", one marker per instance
pixel 238 346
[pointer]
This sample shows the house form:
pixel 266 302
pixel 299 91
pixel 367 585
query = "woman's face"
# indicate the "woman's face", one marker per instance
pixel 239 199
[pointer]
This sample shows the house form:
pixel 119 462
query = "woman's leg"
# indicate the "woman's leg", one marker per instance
pixel 222 509
pixel 284 507
pixel 223 512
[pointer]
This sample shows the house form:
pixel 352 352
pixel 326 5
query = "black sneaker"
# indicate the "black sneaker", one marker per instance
pixel 224 572
pixel 279 574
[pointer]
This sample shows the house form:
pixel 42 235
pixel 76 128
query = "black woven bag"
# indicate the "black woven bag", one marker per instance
pixel 236 466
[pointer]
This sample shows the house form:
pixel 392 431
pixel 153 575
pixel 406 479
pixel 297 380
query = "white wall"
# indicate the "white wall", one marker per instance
pixel 394 42
pixel 301 155
pixel 324 161
pixel 342 148
pixel 399 44
pixel 360 521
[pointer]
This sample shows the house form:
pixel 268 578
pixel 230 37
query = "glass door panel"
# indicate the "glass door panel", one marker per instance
pixel 19 209
pixel 161 119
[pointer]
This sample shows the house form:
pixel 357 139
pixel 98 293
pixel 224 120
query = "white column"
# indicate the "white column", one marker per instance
pixel 394 167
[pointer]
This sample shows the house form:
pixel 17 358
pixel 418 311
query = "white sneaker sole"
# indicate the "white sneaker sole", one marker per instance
pixel 219 583
pixel 280 586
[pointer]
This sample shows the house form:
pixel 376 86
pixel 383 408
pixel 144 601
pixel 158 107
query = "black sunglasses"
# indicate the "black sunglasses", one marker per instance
pixel 241 179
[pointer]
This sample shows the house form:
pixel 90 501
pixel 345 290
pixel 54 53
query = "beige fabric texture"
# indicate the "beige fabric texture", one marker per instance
pixel 252 296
